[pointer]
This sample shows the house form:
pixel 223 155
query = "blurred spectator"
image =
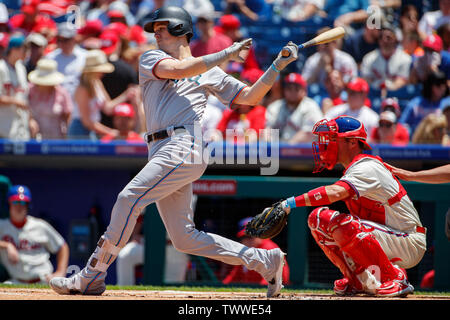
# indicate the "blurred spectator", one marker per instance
pixel 196 7
pixel 4 41
pixel 4 18
pixel 124 119
pixel 246 122
pixel 388 66
pixel 26 243
pixel 445 109
pixel 429 62
pixel 30 19
pixel 444 33
pixel 389 131
pixel 431 130
pixel 50 103
pixel 229 25
pixel 411 44
pixel 361 42
pixel 69 56
pixel 209 40
pixel 14 110
pixel 335 88
pixel 409 19
pixel 410 37
pixel 295 114
pixel 118 11
pixel 357 91
pixel 328 58
pixel 90 98
pixel 36 43
pixel 122 83
pixel 248 8
pixel 91 29
pixel 432 20
pixel 299 10
pixel 239 274
pixel 434 91
pixel 346 12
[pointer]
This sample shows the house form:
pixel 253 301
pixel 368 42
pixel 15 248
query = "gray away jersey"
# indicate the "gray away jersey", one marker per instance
pixel 181 102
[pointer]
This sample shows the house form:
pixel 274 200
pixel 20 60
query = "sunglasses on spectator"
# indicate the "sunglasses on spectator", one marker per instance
pixel 22 203
pixel 63 39
pixel 385 124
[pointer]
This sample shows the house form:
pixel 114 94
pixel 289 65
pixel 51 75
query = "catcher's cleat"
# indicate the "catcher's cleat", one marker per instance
pixel 276 283
pixel 398 287
pixel 78 285
pixel 343 287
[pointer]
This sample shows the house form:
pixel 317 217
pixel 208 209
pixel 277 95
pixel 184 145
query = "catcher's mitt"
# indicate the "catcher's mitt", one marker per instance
pixel 268 223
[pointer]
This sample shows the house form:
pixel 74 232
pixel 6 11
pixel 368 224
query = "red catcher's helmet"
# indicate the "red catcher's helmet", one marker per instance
pixel 325 150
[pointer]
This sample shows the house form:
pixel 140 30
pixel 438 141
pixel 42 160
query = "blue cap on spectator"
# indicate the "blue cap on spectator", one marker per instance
pixel 16 41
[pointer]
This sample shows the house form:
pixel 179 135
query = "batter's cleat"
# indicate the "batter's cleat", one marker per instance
pixel 343 287
pixel 276 283
pixel 78 285
pixel 398 287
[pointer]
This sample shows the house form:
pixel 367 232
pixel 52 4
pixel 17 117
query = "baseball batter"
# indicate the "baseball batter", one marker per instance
pixel 381 234
pixel 26 243
pixel 175 88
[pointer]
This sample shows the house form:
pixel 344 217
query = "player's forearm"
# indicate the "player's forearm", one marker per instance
pixel 62 259
pixel 254 94
pixel 318 197
pixel 436 175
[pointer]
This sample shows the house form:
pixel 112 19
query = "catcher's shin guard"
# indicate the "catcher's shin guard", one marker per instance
pixel 370 262
pixel 318 222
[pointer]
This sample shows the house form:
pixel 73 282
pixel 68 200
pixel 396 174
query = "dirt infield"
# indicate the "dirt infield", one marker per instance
pixel 48 294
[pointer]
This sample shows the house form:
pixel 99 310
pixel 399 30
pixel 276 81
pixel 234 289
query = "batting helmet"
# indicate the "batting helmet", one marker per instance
pixel 19 193
pixel 325 150
pixel 180 22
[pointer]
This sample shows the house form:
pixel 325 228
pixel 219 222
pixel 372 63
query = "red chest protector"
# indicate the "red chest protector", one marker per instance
pixel 368 209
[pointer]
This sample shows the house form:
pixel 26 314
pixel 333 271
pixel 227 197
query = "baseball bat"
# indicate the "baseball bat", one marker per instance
pixel 327 36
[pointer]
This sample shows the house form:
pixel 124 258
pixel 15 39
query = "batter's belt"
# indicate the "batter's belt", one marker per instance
pixel 161 134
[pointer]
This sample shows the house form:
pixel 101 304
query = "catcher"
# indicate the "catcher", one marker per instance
pixel 382 233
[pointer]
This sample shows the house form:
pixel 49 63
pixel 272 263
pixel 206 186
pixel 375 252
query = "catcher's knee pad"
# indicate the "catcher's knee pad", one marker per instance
pixel 320 218
pixel 104 255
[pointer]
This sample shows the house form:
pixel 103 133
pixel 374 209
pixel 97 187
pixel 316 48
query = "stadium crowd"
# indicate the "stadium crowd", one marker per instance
pixel 69 69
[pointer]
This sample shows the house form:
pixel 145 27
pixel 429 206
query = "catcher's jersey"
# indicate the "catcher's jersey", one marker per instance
pixel 180 102
pixel 374 185
pixel 34 242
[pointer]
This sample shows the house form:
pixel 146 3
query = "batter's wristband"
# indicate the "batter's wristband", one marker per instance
pixel 274 68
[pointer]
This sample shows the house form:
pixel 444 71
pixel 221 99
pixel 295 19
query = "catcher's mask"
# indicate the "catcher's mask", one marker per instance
pixel 325 149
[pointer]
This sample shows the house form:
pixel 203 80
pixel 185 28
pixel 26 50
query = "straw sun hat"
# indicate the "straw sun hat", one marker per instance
pixel 46 73
pixel 96 61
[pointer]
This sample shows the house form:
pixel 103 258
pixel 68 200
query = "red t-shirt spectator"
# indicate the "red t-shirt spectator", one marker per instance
pixel 401 135
pixel 232 119
pixel 215 44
